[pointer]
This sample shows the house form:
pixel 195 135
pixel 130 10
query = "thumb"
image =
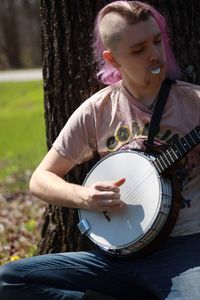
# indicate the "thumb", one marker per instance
pixel 119 182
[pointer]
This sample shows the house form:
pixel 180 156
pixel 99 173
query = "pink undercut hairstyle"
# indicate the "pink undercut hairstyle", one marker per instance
pixel 133 11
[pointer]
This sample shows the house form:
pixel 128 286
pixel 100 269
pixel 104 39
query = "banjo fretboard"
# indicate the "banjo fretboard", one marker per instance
pixel 177 150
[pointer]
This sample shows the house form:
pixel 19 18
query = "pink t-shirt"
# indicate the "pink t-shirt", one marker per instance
pixel 112 119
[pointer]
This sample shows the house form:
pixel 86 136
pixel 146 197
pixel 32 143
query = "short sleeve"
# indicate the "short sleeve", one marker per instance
pixel 77 139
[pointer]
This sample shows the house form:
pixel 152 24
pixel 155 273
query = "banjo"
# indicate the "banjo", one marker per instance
pixel 150 196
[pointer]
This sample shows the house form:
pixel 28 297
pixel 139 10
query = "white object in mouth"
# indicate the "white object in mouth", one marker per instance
pixel 155 70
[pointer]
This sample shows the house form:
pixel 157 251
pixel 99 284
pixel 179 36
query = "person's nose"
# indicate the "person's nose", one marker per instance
pixel 154 53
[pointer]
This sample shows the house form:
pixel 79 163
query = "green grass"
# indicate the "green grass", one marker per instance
pixel 22 132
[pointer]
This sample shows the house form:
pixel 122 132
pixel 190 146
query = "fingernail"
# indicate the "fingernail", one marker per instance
pixel 120 182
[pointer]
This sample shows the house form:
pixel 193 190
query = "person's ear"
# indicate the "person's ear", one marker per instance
pixel 107 54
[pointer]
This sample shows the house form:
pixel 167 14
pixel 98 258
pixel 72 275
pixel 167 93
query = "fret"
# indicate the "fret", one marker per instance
pixel 178 150
pixel 162 160
pixel 185 144
pixel 187 141
pixel 197 130
pixel 191 141
pixel 173 154
pixel 196 135
pixel 158 166
pixel 167 158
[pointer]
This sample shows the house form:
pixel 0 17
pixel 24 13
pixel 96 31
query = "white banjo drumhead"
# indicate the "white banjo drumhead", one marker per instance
pixel 140 192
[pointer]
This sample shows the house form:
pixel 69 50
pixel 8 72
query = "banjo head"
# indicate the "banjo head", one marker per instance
pixel 135 225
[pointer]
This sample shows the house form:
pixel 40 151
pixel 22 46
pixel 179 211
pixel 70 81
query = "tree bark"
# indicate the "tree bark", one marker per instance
pixel 69 79
pixel 183 21
pixel 10 47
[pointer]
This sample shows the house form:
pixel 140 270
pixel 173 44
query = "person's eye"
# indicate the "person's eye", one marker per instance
pixel 137 51
pixel 158 41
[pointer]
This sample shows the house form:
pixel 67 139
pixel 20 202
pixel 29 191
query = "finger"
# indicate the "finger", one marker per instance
pixel 106 186
pixel 107 208
pixel 120 182
pixel 110 202
pixel 108 195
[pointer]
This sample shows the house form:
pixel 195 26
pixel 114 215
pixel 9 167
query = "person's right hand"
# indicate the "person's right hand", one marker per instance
pixel 104 196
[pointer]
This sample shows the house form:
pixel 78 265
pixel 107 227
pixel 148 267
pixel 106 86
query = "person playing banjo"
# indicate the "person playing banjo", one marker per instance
pixel 128 198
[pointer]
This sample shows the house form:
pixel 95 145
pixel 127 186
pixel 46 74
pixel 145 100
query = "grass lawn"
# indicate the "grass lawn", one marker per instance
pixel 22 132
pixel 22 146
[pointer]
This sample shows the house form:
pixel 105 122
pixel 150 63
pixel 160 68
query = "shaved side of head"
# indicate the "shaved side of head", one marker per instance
pixel 115 18
pixel 111 29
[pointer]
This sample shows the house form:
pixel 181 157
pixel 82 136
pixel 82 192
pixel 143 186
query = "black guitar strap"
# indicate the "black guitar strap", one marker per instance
pixel 158 111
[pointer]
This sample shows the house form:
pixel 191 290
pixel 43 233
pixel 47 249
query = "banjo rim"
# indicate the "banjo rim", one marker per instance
pixel 150 234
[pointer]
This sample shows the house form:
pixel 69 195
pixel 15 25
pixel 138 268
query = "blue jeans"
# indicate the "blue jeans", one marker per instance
pixel 172 272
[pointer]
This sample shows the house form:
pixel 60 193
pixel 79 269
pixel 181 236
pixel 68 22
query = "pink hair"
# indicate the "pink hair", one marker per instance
pixel 107 73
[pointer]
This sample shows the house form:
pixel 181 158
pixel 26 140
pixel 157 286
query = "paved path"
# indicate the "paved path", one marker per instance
pixel 20 75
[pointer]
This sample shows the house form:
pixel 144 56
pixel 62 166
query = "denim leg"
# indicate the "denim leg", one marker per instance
pixel 186 286
pixel 40 277
pixel 175 268
pixel 67 276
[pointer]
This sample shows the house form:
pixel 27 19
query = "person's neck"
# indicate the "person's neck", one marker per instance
pixel 144 94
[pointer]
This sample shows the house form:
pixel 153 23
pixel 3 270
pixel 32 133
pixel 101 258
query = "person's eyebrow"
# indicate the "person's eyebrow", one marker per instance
pixel 158 35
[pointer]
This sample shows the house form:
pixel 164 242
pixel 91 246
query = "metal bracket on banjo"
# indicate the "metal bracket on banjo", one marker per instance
pixel 84 226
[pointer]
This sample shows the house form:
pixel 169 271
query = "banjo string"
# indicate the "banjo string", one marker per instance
pixel 137 196
pixel 140 187
pixel 139 181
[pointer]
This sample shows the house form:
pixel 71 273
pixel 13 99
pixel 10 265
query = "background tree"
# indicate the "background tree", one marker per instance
pixel 69 79
pixel 20 42
pixel 9 41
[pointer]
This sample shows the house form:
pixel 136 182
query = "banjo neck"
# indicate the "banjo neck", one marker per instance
pixel 177 150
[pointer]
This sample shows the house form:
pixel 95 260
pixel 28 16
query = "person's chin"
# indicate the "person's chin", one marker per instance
pixel 156 78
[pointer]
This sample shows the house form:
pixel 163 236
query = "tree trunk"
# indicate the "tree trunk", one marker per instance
pixel 69 79
pixel 183 21
pixel 9 34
